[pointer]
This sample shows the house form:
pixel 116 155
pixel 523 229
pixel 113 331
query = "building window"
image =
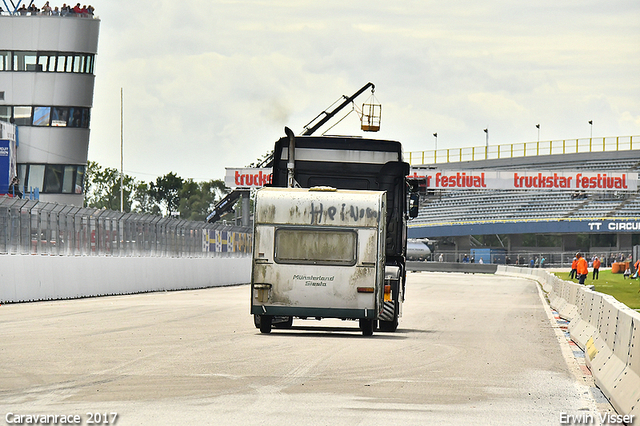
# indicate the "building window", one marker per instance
pixel 25 61
pixel 52 178
pixel 47 116
pixel 22 115
pixel 5 113
pixel 60 116
pixel 60 63
pixel 41 116
pixel 79 184
pixel 67 187
pixel 35 176
pixel 46 61
pixel 5 60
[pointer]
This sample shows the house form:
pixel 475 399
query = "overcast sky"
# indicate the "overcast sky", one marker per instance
pixel 211 84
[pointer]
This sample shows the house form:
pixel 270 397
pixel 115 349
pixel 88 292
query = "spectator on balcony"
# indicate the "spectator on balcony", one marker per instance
pixel 65 10
pixel 55 11
pixel 46 9
pixel 77 9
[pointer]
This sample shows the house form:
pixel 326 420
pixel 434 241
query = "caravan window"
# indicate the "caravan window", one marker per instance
pixel 316 246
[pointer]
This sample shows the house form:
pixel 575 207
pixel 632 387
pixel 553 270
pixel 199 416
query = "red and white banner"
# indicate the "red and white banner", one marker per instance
pixel 528 180
pixel 247 177
pixel 480 179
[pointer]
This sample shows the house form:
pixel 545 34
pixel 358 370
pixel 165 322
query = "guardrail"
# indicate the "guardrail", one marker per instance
pixel 524 149
pixel 607 330
pixel 35 227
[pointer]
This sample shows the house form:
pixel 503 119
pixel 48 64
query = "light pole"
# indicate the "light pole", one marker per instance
pixel 121 150
pixel 486 149
pixel 435 135
pixel 591 132
pixel 538 127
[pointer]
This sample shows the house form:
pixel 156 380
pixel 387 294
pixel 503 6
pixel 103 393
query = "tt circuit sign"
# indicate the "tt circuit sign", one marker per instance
pixel 614 226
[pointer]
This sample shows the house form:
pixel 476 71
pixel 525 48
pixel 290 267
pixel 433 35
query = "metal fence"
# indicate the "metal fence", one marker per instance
pixel 35 227
pixel 523 258
pixel 524 149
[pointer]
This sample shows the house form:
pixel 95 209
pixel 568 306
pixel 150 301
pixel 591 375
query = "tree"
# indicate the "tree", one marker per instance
pixel 198 198
pixel 169 193
pixel 144 199
pixel 102 188
pixel 166 191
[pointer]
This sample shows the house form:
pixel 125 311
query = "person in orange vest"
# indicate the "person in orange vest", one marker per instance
pixel 582 268
pixel 596 268
pixel 636 266
pixel 574 265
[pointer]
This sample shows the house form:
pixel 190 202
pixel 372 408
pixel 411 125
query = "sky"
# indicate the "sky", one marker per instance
pixel 209 84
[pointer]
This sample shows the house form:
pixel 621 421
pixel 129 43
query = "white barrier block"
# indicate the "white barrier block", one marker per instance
pixel 31 278
pixel 570 309
pixel 605 366
pixel 626 390
pixel 580 328
pixel 634 362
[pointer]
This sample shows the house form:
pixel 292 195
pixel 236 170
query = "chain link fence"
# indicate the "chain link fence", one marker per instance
pixel 35 227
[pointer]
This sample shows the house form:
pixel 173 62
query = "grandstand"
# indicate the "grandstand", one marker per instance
pixel 458 218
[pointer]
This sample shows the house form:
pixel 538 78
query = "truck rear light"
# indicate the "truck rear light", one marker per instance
pixel 387 289
pixel 365 290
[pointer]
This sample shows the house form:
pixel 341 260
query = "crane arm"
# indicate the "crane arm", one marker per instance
pixel 310 128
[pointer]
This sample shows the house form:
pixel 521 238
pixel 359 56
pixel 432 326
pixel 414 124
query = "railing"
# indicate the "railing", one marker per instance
pixel 34 227
pixel 524 149
pixel 522 256
pixel 19 12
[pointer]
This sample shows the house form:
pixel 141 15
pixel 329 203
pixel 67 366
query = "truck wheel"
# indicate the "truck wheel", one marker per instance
pixel 388 326
pixel 367 326
pixel 256 321
pixel 265 324
pixel 391 326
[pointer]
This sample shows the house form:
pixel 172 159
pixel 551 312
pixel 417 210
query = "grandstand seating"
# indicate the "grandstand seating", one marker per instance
pixel 491 205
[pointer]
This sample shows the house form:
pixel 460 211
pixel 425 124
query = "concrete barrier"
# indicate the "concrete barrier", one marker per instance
pixel 607 330
pixel 32 278
pixel 471 268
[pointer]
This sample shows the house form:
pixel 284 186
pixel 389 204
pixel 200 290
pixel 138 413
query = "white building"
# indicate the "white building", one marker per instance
pixel 46 89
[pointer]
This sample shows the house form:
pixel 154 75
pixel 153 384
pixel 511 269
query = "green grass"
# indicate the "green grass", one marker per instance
pixel 624 290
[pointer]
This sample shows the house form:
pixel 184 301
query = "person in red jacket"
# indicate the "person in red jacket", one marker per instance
pixel 596 268
pixel 574 264
pixel 582 268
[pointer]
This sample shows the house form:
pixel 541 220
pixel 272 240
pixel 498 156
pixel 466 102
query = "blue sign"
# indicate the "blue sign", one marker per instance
pixel 5 165
pixel 551 226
